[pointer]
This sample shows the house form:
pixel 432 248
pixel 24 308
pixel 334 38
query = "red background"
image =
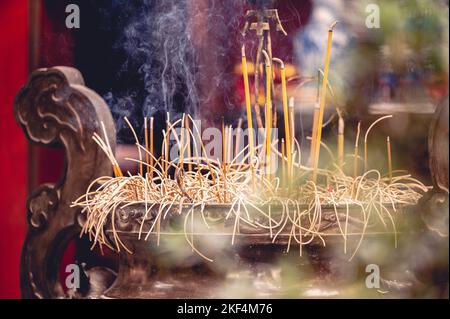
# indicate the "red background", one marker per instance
pixel 13 146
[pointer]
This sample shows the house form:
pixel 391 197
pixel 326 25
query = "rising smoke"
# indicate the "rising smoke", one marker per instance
pixel 179 50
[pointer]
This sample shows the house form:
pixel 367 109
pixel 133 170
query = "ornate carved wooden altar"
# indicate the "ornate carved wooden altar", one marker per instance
pixel 56 108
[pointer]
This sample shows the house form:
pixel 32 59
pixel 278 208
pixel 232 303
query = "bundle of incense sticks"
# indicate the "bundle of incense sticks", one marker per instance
pixel 229 184
pixel 229 154
pixel 232 182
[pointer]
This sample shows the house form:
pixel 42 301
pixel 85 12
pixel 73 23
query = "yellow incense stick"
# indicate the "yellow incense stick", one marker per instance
pixel 315 120
pixel 388 145
pixel 292 132
pixel 117 170
pixel 182 141
pixel 247 104
pixel 322 103
pixel 283 165
pixel 314 132
pixel 268 110
pixel 287 133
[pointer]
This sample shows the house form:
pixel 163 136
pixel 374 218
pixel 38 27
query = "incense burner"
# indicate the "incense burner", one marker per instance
pixel 56 109
pixel 164 264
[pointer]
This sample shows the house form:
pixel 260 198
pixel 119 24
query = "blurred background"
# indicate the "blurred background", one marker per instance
pixel 147 58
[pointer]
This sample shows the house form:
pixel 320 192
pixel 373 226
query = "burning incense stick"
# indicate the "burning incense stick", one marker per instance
pixel 322 103
pixel 389 158
pixel 268 110
pixel 166 144
pixel 188 143
pixel 147 157
pixel 366 164
pixel 182 137
pixel 341 126
pixel 287 130
pixel 152 150
pixel 355 158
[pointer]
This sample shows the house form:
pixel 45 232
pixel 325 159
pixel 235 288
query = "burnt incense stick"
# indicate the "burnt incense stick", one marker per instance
pixel 341 126
pixel 224 159
pixel 355 156
pixel 188 143
pixel 389 158
pixel 167 145
pixel 147 157
pixel 224 152
pixel 366 160
pixel 229 145
pixel 182 141
pixel 237 145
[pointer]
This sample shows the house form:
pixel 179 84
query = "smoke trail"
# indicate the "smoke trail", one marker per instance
pixel 180 50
